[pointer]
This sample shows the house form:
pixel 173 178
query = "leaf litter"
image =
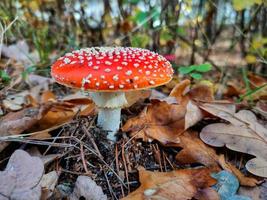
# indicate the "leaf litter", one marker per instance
pixel 168 143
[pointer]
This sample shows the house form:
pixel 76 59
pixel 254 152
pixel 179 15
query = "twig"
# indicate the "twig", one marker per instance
pixel 109 186
pixel 92 141
pixel 102 160
pixel 118 167
pixel 83 161
pixel 125 166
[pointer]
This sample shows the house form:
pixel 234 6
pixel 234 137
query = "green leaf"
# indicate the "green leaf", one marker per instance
pixel 203 67
pixel 4 76
pixel 196 76
pixel 140 40
pixel 186 70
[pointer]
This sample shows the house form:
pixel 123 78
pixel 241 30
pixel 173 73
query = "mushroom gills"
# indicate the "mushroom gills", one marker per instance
pixel 109 105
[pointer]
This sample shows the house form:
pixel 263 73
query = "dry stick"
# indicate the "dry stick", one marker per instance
pixel 118 167
pixel 158 155
pixel 164 161
pixel 132 138
pixel 169 161
pixel 63 145
pixel 4 30
pixel 54 140
pixel 92 141
pixel 109 186
pixel 83 161
pixel 125 166
pixel 102 160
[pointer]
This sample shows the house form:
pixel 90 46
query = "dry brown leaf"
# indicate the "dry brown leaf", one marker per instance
pixel 165 123
pixel 195 151
pixel 244 134
pixel 16 122
pixel 47 96
pixel 86 188
pixel 134 96
pixel 22 176
pixel 174 185
pixel 161 117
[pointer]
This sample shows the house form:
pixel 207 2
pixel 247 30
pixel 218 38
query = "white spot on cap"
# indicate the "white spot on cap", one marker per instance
pixel 102 77
pixel 119 68
pixel 152 82
pixel 121 86
pixel 124 63
pixel 108 63
pixel 148 72
pixel 95 67
pixel 115 77
pixel 107 70
pixel 66 60
pixel 136 65
pixel 97 84
pixel 129 72
pixel 111 86
pixel 136 78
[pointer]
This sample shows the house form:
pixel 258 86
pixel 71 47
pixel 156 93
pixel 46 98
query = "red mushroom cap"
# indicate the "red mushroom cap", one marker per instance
pixel 112 69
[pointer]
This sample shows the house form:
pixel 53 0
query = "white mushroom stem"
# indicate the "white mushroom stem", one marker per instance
pixel 109 105
pixel 109 119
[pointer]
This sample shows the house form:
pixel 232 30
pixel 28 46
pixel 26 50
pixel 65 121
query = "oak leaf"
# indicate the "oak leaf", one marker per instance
pixel 22 176
pixel 174 185
pixel 243 133
pixel 16 122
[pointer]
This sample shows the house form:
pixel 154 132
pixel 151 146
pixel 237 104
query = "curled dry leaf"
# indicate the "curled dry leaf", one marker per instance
pixel 86 188
pixel 22 176
pixel 193 115
pixel 244 134
pixel 175 185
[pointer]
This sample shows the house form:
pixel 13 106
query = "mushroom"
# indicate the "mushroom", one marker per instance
pixel 108 73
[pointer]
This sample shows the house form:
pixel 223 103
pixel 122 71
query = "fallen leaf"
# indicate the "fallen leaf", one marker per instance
pixel 255 193
pixel 22 176
pixel 166 123
pixel 86 188
pixel 244 134
pixel 193 114
pixel 20 52
pixel 15 123
pixel 175 185
pixel 134 96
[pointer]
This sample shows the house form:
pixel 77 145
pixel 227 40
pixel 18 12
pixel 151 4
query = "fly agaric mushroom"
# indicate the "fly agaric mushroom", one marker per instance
pixel 107 73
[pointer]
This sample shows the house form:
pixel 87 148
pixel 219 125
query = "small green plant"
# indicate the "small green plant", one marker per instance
pixel 195 71
pixel 5 78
